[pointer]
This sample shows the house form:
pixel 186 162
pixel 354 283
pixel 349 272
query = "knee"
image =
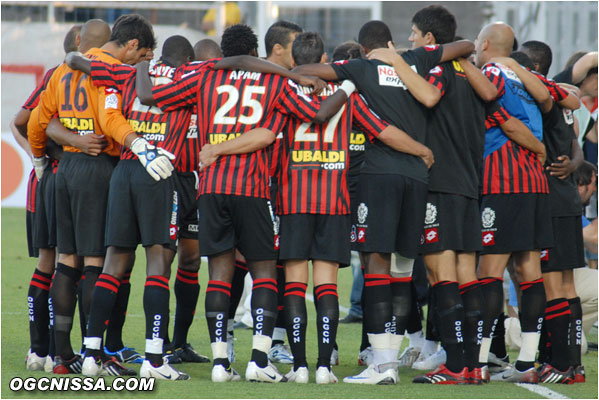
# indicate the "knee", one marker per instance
pixel 189 261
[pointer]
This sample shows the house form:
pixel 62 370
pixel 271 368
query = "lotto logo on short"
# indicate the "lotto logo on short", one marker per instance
pixel 544 255
pixel 361 235
pixel 489 238
pixel 277 242
pixel 431 235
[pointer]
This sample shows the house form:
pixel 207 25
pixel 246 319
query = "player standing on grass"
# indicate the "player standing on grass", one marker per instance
pixel 393 185
pixel 233 206
pixel 515 205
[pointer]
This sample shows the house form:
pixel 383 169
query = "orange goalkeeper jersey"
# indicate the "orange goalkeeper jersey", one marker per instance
pixel 81 107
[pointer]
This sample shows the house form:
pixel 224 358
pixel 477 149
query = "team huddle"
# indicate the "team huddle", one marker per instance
pixel 263 166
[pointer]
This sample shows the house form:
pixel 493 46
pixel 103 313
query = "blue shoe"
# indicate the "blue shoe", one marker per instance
pixel 126 355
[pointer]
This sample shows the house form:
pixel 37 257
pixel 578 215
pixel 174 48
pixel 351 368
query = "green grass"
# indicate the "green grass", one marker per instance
pixel 16 273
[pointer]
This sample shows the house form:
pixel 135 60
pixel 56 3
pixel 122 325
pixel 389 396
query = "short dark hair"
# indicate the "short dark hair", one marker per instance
pixel 207 49
pixel 374 35
pixel 438 21
pixel 583 175
pixel 70 39
pixel 177 50
pixel 540 53
pixel 308 48
pixel 523 59
pixel 133 26
pixel 238 40
pixel 347 51
pixel 279 33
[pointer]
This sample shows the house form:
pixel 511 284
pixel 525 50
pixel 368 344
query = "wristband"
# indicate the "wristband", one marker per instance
pixel 348 87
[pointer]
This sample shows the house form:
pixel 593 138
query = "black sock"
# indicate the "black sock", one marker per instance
pixel 187 291
pixel 218 295
pixel 82 316
pixel 281 319
pixel 498 342
pixel 237 284
pixel 39 317
pixel 432 331
pixel 378 309
pixel 297 321
pixel 52 346
pixel 493 303
pixel 451 318
pixel 575 342
pixel 63 293
pixel 364 343
pixel 532 309
pixel 544 355
pixel 327 321
pixel 264 313
pixel 88 283
pixel 105 295
pixel 415 318
pixel 473 322
pixel 114 331
pixel 557 320
pixel 156 299
pixel 402 302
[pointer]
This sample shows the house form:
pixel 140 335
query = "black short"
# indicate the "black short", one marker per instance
pixel 515 222
pixel 245 223
pixel 33 252
pixel 82 183
pixel 140 209
pixel 389 214
pixel 451 222
pixel 315 237
pixel 44 222
pixel 186 184
pixel 568 250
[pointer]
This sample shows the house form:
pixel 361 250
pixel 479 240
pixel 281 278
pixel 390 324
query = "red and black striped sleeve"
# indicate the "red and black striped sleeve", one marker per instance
pixel 437 78
pixel 493 72
pixel 557 93
pixel 177 94
pixel 293 101
pixel 364 119
pixel 34 97
pixel 111 75
pixel 496 115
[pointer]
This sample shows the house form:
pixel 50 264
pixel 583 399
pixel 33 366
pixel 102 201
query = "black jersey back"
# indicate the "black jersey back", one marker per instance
pixel 456 133
pixel 388 96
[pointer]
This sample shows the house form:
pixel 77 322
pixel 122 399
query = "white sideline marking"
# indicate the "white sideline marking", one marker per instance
pixel 542 391
pixel 310 297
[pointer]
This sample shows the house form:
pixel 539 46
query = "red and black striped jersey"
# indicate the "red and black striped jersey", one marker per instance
pixel 513 169
pixel 34 98
pixel 315 158
pixel 167 130
pixel 229 104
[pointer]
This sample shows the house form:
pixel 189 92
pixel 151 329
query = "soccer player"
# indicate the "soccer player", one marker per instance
pixel 392 187
pixel 233 205
pixel 82 180
pixel 41 226
pixel 515 206
pixel 451 224
pixel 563 315
pixel 206 49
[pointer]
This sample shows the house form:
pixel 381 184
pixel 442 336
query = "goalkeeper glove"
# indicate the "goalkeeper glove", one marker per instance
pixel 155 160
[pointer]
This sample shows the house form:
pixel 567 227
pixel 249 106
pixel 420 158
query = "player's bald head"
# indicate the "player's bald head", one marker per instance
pixel 94 33
pixel 495 39
pixel 207 49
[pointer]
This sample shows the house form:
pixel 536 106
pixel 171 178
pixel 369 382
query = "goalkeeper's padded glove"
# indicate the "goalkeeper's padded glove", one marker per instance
pixel 155 160
pixel 39 165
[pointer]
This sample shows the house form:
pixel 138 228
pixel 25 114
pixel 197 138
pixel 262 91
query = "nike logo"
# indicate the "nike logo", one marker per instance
pixel 273 377
pixel 163 375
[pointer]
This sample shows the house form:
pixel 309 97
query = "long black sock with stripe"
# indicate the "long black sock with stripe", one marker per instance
pixel 532 310
pixel 432 331
pixel 218 296
pixel 39 317
pixel 493 304
pixel 264 313
pixel 297 321
pixel 364 343
pixel 156 299
pixel 575 342
pixel 237 284
pixel 281 318
pixel 557 321
pixel 378 309
pixel 451 316
pixel 415 318
pixel 88 283
pixel 82 315
pixel 105 295
pixel 498 343
pixel 114 331
pixel 327 321
pixel 401 293
pixel 473 322
pixel 187 291
pixel 63 293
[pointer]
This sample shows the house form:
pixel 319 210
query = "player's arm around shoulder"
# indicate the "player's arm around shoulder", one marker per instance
pixel 248 142
pixel 479 82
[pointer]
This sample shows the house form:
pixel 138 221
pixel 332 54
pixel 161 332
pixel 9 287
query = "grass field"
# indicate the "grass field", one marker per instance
pixel 16 274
